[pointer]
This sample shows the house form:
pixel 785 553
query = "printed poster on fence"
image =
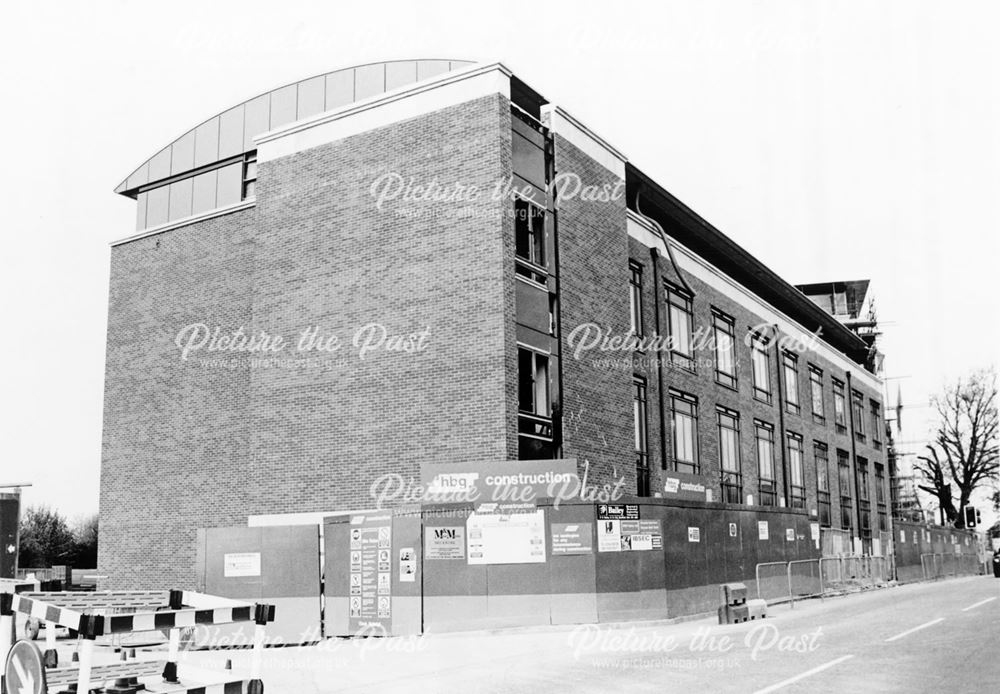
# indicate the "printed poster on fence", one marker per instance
pixel 572 538
pixel 506 538
pixel 620 529
pixel 444 542
pixel 370 571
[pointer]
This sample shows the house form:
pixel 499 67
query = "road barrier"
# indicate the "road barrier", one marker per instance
pixel 787 581
pixel 772 581
pixel 93 615
pixel 805 579
pixel 935 565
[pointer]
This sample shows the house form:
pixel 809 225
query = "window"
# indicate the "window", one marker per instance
pixel 635 297
pixel 883 516
pixel 821 455
pixel 761 369
pixel 797 487
pixel 533 382
pixel 534 423
pixel 725 339
pixel 553 315
pixel 729 456
pixel 864 504
pixel 816 388
pixel 679 311
pixel 684 431
pixel 765 463
pixel 846 503
pixel 858 411
pixel 250 176
pixel 839 406
pixel 641 435
pixel 863 478
pixel 790 370
pixel 529 240
pixel 876 422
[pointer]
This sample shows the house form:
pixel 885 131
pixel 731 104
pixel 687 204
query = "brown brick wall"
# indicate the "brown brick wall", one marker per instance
pixel 702 384
pixel 593 261
pixel 176 435
pixel 189 446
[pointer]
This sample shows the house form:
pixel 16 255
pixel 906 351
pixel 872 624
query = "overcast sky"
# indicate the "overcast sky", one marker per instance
pixel 832 140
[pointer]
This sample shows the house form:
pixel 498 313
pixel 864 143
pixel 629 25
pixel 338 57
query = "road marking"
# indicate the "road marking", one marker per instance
pixel 975 605
pixel 807 673
pixel 910 631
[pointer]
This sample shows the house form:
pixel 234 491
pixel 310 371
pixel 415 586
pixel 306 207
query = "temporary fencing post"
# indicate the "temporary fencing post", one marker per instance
pixel 175 602
pixel 86 663
pixel 262 615
pixel 51 656
pixel 791 593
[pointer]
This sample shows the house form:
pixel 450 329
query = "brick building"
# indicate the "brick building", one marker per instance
pixel 376 202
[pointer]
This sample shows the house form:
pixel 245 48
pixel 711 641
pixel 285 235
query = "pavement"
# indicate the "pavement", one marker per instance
pixel 925 637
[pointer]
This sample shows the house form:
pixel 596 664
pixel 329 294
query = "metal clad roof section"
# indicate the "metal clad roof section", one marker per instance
pixel 231 132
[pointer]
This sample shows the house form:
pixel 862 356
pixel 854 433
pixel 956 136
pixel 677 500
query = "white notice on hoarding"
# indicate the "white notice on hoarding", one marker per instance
pixel 242 564
pixel 762 530
pixel 609 536
pixel 506 538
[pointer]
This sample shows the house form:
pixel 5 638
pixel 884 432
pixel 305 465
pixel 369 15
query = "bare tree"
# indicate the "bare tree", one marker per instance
pixel 964 455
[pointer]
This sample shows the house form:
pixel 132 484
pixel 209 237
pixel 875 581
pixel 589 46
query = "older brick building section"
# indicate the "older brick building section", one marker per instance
pixel 267 219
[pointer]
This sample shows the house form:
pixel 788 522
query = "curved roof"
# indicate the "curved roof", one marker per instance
pixel 230 133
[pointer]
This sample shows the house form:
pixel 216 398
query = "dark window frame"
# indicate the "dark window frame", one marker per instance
pixel 844 486
pixel 816 382
pixel 797 492
pixel 858 414
pixel 840 406
pixel 688 407
pixel 640 415
pixel 677 298
pixel 248 185
pixel 759 347
pixel 768 488
pixel 532 267
pixel 821 457
pixel 875 414
pixel 635 298
pixel 726 324
pixel 790 365
pixel 732 479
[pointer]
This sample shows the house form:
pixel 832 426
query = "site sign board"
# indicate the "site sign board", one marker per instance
pixel 513 481
pixel 370 538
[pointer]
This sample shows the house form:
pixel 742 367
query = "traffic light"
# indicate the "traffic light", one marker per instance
pixel 971 517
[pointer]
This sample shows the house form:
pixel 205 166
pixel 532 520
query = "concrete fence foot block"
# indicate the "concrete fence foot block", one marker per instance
pixel 757 609
pixel 50 658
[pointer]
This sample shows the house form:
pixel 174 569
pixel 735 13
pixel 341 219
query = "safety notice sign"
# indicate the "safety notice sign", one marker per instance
pixel 572 538
pixel 629 535
pixel 507 538
pixel 370 571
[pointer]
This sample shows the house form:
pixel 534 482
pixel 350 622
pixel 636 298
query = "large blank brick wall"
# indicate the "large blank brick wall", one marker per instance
pixel 175 433
pixel 188 446
pixel 329 257
pixel 593 282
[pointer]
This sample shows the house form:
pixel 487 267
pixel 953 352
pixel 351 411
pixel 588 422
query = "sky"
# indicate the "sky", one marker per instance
pixel 832 140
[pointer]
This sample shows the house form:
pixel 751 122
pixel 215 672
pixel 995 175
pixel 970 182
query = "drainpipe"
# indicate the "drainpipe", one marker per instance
pixel 854 449
pixel 552 202
pixel 781 420
pixel 659 364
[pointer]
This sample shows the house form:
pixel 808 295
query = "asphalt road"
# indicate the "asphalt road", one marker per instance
pixel 932 637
